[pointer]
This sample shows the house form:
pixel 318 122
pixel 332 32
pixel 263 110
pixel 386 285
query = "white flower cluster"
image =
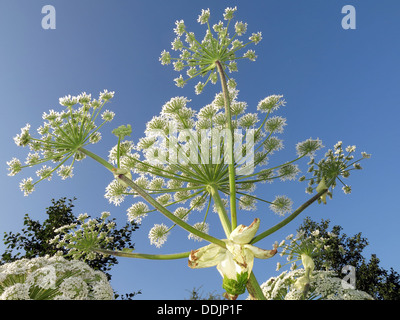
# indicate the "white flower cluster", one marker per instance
pixel 60 138
pixel 52 278
pixel 81 241
pixel 200 57
pixel 294 246
pixel 308 283
pixel 184 152
pixel 335 166
pixel 324 285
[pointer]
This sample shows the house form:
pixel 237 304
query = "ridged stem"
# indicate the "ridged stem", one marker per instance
pixel 231 165
pixel 126 254
pixel 226 224
pixel 289 218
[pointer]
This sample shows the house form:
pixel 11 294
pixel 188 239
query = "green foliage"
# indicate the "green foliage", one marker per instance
pixel 347 250
pixel 382 284
pixel 34 239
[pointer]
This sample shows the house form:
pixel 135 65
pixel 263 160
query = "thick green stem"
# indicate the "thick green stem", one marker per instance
pixel 305 291
pixel 254 288
pixel 118 253
pixel 226 224
pixel 94 156
pixel 289 218
pixel 231 165
pixel 307 285
pixel 152 201
pixel 118 148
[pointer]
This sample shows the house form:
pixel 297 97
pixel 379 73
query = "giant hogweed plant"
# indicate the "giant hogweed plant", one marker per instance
pixel 189 163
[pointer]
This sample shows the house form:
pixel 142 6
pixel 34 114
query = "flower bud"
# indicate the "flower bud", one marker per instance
pixel 243 234
pixel 304 281
pixel 308 262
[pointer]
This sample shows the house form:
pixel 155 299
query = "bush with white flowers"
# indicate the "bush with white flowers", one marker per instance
pixel 324 285
pixel 52 278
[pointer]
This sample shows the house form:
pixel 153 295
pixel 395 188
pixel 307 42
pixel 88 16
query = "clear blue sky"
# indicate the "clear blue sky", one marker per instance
pixel 339 85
